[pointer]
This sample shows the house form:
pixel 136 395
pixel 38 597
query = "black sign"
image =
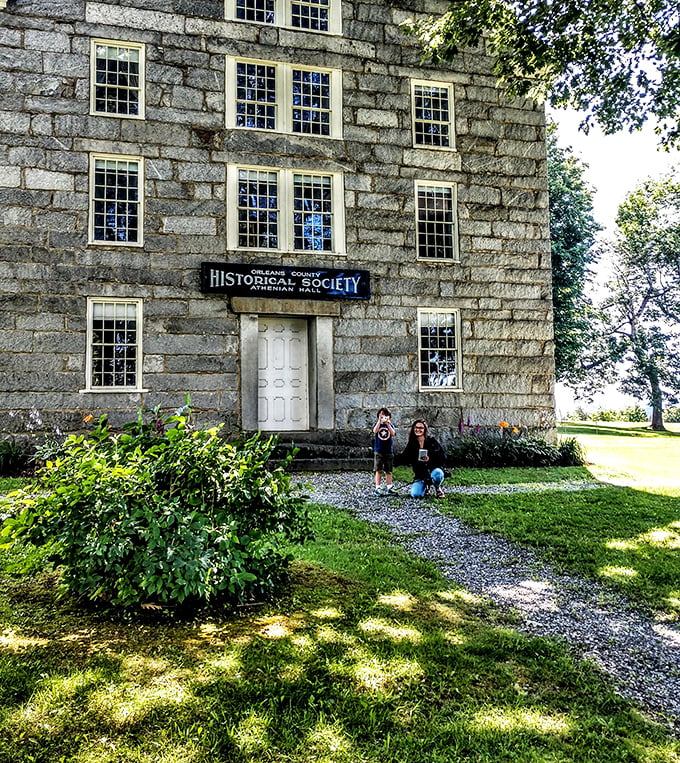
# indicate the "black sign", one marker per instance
pixel 240 280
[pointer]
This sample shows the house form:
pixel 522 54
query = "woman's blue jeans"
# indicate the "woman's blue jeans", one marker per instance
pixel 418 488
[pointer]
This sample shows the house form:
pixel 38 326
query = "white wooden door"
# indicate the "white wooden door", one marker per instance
pixel 283 384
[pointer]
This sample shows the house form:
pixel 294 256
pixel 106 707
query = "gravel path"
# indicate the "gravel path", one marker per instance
pixel 642 656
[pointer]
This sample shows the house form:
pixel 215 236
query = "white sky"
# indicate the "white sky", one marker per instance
pixel 616 165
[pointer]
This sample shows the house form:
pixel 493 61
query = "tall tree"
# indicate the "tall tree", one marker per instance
pixel 619 62
pixel 641 312
pixel 572 236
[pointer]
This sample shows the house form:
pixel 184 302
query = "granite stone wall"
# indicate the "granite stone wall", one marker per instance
pixel 191 340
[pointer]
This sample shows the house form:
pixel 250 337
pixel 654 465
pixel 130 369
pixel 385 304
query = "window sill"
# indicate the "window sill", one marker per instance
pixel 449 149
pixel 439 260
pixel 113 390
pixel 329 33
pixel 124 244
pixel 265 131
pixel 138 117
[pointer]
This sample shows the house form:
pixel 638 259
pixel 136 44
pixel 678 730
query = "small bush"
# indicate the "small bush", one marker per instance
pixel 672 415
pixel 13 458
pixel 635 413
pixel 164 513
pixel 494 450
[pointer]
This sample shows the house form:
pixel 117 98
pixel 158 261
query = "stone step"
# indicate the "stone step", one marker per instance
pixel 312 457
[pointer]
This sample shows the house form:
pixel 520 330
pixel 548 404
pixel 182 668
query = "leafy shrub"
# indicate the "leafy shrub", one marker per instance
pixel 12 458
pixel 634 413
pixel 493 450
pixel 672 415
pixel 164 513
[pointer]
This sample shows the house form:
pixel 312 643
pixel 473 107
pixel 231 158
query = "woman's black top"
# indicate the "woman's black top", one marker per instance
pixel 422 469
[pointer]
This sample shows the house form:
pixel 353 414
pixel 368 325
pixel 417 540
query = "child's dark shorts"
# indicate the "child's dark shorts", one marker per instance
pixel 383 462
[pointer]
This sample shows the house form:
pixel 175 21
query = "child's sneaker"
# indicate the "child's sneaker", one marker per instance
pixel 391 490
pixel 378 492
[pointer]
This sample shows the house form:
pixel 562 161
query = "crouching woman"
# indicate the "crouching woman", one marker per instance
pixel 427 459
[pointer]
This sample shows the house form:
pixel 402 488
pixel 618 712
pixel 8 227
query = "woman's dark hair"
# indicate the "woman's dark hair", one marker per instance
pixel 412 434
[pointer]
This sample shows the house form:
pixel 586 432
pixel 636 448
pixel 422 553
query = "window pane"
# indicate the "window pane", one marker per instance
pixel 255 95
pixel 438 350
pixel 436 229
pixel 432 121
pixel 255 10
pixel 258 211
pixel 311 14
pixel 312 213
pixel 116 200
pixel 114 344
pixel 311 102
pixel 117 80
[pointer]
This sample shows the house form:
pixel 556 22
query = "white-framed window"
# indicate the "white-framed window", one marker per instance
pixel 117 79
pixel 116 200
pixel 264 95
pixel 432 109
pixel 439 353
pixel 310 15
pixel 285 210
pixel 436 221
pixel 114 345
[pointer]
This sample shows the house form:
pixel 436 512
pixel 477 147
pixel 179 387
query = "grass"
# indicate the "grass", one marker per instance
pixel 625 538
pixel 631 454
pixel 508 476
pixel 369 656
pixel 625 535
pixel 11 483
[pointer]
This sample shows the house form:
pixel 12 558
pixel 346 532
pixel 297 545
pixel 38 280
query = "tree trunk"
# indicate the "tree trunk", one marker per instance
pixel 657 402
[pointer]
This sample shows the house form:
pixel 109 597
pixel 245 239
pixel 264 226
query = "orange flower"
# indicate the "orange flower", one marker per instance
pixel 88 418
pixel 504 425
pixel 515 430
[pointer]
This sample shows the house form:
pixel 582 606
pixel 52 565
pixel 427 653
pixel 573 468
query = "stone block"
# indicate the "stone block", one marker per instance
pixel 196 226
pixel 133 18
pixel 13 122
pixel 10 176
pixel 376 118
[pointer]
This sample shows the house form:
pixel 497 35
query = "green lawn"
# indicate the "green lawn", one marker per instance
pixel 630 454
pixel 625 534
pixel 369 656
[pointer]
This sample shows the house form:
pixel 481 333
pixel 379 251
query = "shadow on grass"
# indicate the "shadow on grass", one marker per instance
pixel 342 669
pixel 625 538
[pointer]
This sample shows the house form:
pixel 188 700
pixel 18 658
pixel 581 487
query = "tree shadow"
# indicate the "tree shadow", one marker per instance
pixel 338 671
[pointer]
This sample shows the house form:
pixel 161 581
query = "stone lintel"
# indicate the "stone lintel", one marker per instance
pixel 264 306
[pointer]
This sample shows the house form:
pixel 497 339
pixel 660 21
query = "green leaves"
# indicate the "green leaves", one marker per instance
pixel 163 513
pixel 572 235
pixel 617 62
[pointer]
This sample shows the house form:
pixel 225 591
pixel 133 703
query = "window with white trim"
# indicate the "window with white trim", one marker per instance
pixel 117 79
pixel 436 221
pixel 285 210
pixel 284 98
pixel 116 199
pixel 114 344
pixel 439 357
pixel 432 105
pixel 310 15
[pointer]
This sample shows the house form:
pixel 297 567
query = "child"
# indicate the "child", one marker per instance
pixel 383 451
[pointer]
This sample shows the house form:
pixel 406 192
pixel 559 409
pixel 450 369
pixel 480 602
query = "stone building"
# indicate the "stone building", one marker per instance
pixel 272 205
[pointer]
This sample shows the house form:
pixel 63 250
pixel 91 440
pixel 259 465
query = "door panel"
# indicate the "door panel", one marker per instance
pixel 283 383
